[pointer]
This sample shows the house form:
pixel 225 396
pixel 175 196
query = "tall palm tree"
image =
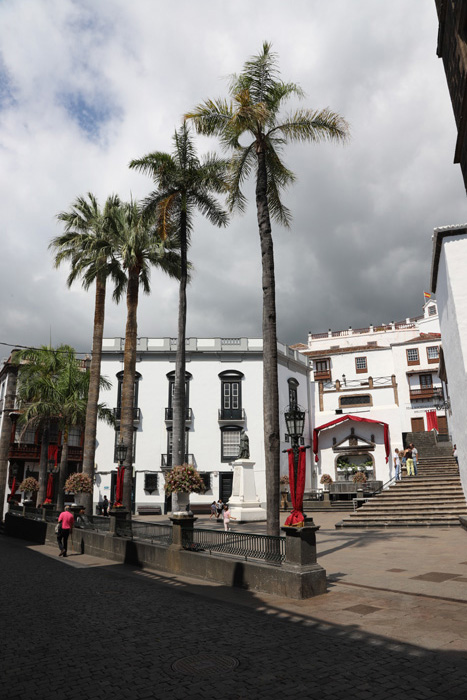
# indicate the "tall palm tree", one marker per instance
pixel 38 369
pixel 257 96
pixel 184 184
pixel 138 248
pixel 87 246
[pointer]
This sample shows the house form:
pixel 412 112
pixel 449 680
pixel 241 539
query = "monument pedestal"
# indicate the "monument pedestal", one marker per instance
pixel 244 504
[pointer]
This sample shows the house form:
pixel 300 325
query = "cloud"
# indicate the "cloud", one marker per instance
pixel 85 87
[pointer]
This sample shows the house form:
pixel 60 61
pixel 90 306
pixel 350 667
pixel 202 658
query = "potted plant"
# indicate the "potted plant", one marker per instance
pixel 78 483
pixel 326 480
pixel 183 480
pixel 29 485
pixel 359 478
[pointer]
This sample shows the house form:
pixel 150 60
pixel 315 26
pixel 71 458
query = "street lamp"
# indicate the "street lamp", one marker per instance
pixel 295 422
pixel 120 452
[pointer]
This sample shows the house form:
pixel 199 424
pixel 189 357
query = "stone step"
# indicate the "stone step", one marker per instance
pixel 408 523
pixel 366 511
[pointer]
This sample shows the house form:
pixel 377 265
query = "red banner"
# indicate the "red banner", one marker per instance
pixel 50 489
pixel 431 420
pixel 13 489
pixel 119 489
pixel 355 418
pixel 52 455
pixel 296 517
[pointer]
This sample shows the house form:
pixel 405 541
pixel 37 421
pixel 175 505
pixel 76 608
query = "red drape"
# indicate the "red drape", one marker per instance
pixel 52 455
pixel 13 489
pixel 431 420
pixel 119 489
pixel 355 418
pixel 296 517
pixel 50 489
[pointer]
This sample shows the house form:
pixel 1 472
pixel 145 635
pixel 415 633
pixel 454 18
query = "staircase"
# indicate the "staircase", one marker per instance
pixel 428 446
pixel 434 498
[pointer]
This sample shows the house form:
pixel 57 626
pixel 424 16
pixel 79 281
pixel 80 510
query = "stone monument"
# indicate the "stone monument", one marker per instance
pixel 244 503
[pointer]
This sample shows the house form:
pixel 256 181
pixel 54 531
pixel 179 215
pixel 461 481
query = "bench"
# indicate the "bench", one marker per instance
pixel 149 510
pixel 200 508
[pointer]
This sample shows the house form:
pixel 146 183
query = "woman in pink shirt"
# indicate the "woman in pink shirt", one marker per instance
pixel 67 521
pixel 227 518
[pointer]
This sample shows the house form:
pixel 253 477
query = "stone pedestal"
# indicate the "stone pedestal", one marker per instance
pixel 182 527
pixel 326 499
pixel 300 558
pixel 244 504
pixel 120 523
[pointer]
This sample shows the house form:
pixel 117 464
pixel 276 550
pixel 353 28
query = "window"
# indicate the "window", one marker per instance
pixel 426 381
pixel 150 482
pixel 170 445
pixel 355 400
pixel 74 437
pixel 322 369
pixel 433 354
pixel 432 310
pixel 26 436
pixel 293 386
pixel 230 442
pixel 413 357
pixel 361 365
pixel 169 410
pixel 231 395
pixel 135 396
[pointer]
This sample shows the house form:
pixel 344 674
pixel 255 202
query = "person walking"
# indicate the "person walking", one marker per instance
pixel 397 466
pixel 213 510
pixel 414 457
pixel 66 522
pixel 227 518
pixel 454 454
pixel 105 506
pixel 409 458
pixel 219 508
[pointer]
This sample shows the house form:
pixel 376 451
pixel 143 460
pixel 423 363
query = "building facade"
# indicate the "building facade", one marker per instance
pixel 449 261
pixel 224 388
pixel 387 378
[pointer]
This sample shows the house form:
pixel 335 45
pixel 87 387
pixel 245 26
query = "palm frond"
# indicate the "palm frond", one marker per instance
pixel 313 125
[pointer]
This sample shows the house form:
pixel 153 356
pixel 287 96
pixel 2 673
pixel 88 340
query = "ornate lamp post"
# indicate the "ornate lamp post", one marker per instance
pixel 295 422
pixel 120 452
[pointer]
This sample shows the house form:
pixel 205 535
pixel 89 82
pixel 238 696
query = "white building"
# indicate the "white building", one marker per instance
pixel 384 376
pixel 448 281
pixel 224 379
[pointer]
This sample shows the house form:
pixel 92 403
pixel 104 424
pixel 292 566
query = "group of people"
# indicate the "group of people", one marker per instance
pixel 406 458
pixel 219 508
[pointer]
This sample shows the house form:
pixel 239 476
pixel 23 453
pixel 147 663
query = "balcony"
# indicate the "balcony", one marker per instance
pixel 169 415
pixel 166 460
pixel 231 415
pixel 117 413
pixel 322 375
pixel 428 393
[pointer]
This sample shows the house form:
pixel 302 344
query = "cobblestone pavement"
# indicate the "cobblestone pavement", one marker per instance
pixel 87 628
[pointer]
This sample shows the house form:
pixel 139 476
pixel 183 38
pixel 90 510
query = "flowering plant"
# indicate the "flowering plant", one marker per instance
pixel 29 484
pixel 284 479
pixel 326 479
pixel 359 478
pixel 184 479
pixel 78 483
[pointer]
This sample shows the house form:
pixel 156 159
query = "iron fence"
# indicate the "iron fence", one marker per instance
pixel 156 534
pixel 237 544
pixel 33 513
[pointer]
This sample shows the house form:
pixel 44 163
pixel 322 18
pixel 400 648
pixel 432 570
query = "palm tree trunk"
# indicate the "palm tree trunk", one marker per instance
pixel 90 430
pixel 62 475
pixel 179 402
pixel 270 379
pixel 5 435
pixel 43 464
pixel 128 385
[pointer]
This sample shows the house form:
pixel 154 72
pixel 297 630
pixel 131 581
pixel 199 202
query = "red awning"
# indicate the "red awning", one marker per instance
pixel 355 418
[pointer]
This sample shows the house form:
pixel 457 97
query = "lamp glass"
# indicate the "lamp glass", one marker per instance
pixel 121 452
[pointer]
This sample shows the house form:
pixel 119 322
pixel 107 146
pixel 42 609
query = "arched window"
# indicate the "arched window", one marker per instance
pixel 135 395
pixel 169 410
pixel 231 395
pixel 293 386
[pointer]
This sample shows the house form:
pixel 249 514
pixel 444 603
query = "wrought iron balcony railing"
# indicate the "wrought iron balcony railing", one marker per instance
pixel 169 415
pixel 229 414
pixel 117 412
pixel 166 460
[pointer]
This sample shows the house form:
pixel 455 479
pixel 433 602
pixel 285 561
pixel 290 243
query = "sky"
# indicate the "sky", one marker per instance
pixel 87 86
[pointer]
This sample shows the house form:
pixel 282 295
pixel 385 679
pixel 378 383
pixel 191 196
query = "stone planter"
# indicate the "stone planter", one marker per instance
pixel 183 503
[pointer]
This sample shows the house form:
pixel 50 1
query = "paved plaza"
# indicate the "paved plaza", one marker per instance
pixel 392 625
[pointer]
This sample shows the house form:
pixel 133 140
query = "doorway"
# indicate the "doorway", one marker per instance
pixel 418 425
pixel 442 425
pixel 225 486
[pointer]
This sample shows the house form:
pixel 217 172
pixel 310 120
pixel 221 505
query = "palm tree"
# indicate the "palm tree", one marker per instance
pixel 38 369
pixel 257 95
pixel 87 245
pixel 184 184
pixel 137 247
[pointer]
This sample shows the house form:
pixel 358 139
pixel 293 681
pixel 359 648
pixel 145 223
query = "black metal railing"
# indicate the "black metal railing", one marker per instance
pixel 169 414
pixel 231 414
pixel 166 459
pixel 156 534
pixel 117 413
pixel 238 544
pixel 33 513
pixel 16 510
